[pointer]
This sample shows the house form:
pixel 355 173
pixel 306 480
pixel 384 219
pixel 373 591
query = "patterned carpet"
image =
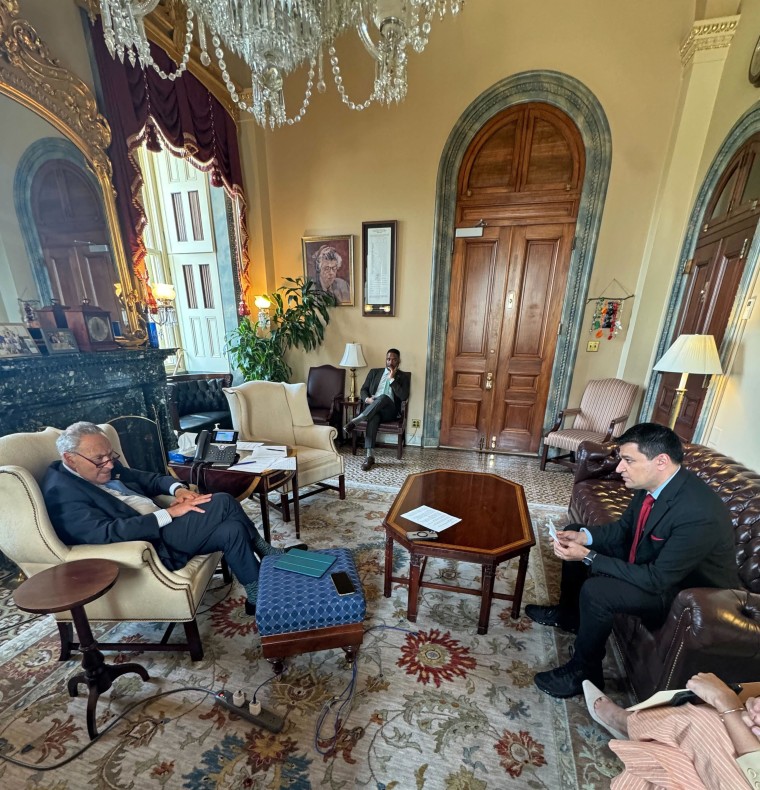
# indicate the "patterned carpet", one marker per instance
pixel 435 705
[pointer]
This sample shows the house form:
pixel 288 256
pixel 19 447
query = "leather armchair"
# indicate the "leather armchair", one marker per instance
pixel 707 629
pixel 325 386
pixel 145 590
pixel 269 411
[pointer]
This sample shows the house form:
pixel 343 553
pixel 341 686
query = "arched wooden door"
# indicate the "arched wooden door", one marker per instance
pixel 76 245
pixel 521 175
pixel 713 276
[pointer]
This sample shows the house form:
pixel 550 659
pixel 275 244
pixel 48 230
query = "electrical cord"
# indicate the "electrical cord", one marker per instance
pixel 108 728
pixel 340 716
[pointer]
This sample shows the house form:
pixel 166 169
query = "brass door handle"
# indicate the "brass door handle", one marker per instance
pixel 489 381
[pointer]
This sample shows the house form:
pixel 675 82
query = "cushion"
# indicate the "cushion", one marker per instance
pixel 290 601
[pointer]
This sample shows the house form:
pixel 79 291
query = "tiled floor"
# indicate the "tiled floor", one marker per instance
pixel 551 487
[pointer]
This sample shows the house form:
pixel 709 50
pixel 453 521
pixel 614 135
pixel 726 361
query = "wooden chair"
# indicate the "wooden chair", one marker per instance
pixel 605 407
pixel 397 427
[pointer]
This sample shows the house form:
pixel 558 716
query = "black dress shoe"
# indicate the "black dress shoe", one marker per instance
pixel 368 464
pixel 554 616
pixel 250 608
pixel 301 546
pixel 567 680
pixel 348 427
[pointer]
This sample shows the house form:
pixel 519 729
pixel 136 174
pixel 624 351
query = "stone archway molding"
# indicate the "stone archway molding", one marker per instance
pixel 579 103
pixel 742 130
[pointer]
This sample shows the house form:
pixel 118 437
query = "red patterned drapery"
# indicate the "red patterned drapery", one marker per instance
pixel 181 116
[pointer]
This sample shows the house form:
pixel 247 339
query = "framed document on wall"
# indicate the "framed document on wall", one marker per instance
pixel 379 268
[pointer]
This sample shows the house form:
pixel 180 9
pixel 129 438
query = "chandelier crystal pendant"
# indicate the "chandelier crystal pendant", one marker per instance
pixel 276 37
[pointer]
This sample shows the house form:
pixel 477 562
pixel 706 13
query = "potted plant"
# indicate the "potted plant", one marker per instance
pixel 298 320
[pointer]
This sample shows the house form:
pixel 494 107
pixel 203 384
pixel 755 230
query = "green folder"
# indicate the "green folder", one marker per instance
pixel 308 563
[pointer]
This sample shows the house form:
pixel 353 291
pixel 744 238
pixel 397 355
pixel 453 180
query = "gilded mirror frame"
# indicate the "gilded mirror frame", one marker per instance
pixel 31 76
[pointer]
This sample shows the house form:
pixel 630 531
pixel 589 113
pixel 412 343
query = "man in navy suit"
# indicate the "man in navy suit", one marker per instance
pixel 675 534
pixel 92 498
pixel 382 393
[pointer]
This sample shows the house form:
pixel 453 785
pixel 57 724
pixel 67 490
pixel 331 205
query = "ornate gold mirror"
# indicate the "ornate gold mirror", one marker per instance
pixel 59 232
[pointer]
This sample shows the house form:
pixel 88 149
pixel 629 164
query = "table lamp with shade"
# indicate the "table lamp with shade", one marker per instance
pixel 689 354
pixel 353 359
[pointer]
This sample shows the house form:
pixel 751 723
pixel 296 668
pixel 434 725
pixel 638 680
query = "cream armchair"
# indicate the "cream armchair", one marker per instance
pixel 145 591
pixel 270 411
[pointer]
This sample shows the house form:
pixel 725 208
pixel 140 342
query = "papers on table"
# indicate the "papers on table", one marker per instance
pixel 430 518
pixel 264 458
pixel 248 446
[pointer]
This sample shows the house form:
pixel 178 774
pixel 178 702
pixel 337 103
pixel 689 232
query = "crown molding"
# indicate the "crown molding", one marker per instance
pixel 708 34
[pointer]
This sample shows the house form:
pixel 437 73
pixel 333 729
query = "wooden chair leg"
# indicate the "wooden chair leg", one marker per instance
pixel 353 441
pixel 400 448
pixel 194 644
pixel 341 486
pixel 544 456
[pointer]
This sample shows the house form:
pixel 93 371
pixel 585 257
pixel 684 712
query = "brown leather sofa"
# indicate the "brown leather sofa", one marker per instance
pixel 707 630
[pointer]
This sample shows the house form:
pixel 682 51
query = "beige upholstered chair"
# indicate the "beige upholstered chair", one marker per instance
pixel 268 411
pixel 605 407
pixel 145 591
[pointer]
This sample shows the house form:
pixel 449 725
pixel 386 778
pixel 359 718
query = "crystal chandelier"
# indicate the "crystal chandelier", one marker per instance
pixel 275 37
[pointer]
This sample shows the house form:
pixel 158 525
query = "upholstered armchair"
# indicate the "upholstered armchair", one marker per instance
pixel 395 427
pixel 268 411
pixel 325 386
pixel 145 590
pixel 605 407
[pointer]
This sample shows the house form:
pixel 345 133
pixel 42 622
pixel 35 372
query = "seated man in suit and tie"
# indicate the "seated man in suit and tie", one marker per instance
pixel 91 498
pixel 382 393
pixel 675 534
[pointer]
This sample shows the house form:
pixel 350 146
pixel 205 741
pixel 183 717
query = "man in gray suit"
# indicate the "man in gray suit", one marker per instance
pixel 383 391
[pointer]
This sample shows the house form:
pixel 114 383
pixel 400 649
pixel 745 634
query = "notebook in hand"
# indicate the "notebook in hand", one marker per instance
pixel 308 563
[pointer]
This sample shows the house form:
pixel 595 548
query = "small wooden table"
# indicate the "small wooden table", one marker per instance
pixel 242 485
pixel 495 527
pixel 70 586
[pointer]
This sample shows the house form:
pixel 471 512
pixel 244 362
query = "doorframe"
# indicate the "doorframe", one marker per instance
pixel 583 108
pixel 742 130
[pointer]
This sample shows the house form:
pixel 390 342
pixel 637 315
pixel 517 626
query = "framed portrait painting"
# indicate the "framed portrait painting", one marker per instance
pixel 329 261
pixel 16 342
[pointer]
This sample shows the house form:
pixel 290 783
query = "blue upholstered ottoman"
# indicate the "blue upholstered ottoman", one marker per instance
pixel 301 614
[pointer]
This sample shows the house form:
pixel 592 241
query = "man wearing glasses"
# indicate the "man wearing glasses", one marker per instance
pixel 92 498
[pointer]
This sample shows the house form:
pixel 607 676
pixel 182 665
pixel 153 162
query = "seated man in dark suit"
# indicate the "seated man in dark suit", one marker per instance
pixel 382 393
pixel 91 498
pixel 675 534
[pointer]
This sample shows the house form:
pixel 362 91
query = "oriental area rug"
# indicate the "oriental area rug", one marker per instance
pixel 432 706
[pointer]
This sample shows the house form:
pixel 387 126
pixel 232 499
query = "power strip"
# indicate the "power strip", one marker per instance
pixel 266 719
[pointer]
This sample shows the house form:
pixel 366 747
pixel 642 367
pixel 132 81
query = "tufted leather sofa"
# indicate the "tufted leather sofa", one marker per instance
pixel 197 401
pixel 707 630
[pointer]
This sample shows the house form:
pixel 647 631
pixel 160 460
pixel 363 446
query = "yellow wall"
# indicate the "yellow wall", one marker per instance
pixel 337 168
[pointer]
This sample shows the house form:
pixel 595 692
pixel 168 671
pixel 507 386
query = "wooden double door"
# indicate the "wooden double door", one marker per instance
pixel 522 177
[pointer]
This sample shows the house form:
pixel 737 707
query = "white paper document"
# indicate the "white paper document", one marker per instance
pixel 248 446
pixel 430 518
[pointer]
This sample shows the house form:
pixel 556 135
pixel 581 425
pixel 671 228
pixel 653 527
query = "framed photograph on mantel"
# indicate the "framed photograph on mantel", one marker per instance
pixel 329 261
pixel 16 342
pixel 379 265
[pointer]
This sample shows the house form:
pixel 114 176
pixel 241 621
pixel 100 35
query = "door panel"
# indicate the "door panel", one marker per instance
pixel 536 282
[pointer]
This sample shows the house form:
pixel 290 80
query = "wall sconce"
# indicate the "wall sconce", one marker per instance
pixel 165 295
pixel 263 304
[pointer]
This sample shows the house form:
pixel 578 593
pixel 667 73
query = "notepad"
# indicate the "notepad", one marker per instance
pixel 308 563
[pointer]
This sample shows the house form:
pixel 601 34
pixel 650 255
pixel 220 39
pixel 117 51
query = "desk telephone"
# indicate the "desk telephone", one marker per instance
pixel 218 448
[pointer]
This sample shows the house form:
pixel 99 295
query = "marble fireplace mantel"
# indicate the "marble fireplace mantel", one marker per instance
pixel 59 390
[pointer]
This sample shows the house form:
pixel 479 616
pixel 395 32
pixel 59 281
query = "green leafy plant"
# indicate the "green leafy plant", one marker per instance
pixel 299 314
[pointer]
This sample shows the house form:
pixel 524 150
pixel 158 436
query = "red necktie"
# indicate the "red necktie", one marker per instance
pixel 646 507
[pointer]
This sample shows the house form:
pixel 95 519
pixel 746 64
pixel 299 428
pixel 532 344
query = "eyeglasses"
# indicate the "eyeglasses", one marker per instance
pixel 107 459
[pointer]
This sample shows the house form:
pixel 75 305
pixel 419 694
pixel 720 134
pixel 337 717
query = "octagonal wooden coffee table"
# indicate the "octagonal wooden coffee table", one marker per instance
pixel 495 527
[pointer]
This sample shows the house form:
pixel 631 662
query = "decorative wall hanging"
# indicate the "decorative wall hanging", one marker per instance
pixel 379 267
pixel 608 311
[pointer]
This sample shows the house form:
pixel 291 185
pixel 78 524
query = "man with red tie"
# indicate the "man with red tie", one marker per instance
pixel 676 533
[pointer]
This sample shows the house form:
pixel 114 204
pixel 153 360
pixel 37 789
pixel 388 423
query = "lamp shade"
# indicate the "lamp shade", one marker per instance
pixel 691 354
pixel 353 357
pixel 164 291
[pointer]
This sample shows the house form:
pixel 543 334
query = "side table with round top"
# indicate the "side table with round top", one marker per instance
pixel 70 586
